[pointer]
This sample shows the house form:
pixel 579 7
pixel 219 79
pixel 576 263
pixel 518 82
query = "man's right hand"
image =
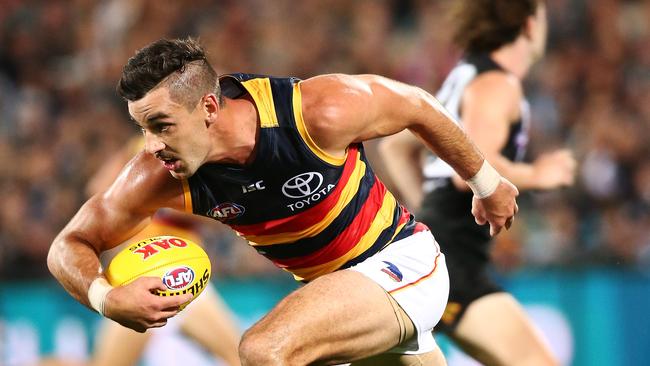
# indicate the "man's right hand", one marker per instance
pixel 555 169
pixel 136 305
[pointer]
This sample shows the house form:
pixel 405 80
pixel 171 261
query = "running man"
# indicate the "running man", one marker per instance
pixel 281 162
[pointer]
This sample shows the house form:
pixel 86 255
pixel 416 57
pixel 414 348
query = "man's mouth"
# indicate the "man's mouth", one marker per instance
pixel 170 163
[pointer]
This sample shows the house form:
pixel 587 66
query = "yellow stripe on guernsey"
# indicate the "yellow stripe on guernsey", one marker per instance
pixel 300 124
pixel 347 194
pixel 187 196
pixel 260 90
pixel 382 221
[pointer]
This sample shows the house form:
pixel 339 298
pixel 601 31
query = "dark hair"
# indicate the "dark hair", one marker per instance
pixel 486 25
pixel 180 64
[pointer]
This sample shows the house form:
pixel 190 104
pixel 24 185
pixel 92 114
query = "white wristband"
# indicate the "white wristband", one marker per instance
pixel 97 292
pixel 485 182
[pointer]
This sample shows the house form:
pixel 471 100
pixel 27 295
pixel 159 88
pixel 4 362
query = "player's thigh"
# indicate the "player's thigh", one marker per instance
pixel 209 322
pixel 117 345
pixel 338 317
pixel 431 358
pixel 496 330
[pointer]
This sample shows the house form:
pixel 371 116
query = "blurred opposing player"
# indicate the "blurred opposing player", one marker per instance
pixel 501 40
pixel 207 320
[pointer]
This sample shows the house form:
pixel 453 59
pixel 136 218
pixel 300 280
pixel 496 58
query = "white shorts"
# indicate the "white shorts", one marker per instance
pixel 414 272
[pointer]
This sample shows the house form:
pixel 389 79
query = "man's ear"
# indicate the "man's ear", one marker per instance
pixel 210 104
pixel 529 27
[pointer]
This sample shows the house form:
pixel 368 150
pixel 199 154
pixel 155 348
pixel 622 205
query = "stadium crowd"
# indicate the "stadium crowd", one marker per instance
pixel 61 118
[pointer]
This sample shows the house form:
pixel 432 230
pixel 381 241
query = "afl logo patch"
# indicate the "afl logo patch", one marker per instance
pixel 226 211
pixel 302 185
pixel 178 278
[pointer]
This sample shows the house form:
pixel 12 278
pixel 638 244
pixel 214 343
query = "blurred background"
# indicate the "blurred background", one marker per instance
pixel 579 258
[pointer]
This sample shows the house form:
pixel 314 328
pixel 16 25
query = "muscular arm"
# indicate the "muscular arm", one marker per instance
pixel 109 218
pixel 343 109
pixel 111 168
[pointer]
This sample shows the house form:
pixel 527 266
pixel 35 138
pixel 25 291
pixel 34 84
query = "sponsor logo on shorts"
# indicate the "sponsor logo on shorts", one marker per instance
pixel 178 278
pixel 226 211
pixel 392 271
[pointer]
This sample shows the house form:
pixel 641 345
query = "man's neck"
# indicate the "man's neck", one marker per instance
pixel 237 131
pixel 514 57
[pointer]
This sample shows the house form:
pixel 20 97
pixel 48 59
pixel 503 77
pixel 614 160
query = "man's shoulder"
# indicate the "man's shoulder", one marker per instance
pixel 330 105
pixel 144 181
pixel 496 85
pixel 330 93
pixel 341 81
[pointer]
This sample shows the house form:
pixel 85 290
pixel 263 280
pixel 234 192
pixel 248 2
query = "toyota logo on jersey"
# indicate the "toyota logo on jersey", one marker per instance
pixel 302 185
pixel 178 278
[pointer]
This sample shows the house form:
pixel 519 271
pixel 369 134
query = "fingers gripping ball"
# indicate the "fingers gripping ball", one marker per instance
pixel 182 265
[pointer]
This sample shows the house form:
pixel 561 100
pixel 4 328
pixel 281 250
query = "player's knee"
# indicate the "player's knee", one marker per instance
pixel 250 351
pixel 256 348
pixel 272 347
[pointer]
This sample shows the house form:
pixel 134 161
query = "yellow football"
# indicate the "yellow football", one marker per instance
pixel 182 265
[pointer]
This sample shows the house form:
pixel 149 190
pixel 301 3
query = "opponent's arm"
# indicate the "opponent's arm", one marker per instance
pixel 489 105
pixel 342 109
pixel 104 221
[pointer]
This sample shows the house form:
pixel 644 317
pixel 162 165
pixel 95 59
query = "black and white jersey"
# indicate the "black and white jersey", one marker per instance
pixel 450 96
pixel 447 210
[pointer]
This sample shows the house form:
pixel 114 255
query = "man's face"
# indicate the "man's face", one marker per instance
pixel 173 134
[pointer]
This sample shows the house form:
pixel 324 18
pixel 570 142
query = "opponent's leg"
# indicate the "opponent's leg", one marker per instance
pixel 54 361
pixel 117 345
pixel 339 317
pixel 496 331
pixel 209 322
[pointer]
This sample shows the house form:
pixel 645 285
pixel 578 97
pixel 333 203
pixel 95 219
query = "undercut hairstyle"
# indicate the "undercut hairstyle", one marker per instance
pixel 486 25
pixel 179 64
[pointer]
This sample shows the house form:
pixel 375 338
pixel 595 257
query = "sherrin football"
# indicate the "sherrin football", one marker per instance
pixel 182 265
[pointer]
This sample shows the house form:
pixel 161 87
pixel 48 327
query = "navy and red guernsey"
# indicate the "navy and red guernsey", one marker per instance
pixel 309 212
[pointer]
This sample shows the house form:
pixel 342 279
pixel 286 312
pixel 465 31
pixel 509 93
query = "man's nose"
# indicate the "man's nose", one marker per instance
pixel 153 144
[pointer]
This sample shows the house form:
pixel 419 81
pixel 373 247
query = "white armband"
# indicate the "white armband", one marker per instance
pixel 97 292
pixel 485 182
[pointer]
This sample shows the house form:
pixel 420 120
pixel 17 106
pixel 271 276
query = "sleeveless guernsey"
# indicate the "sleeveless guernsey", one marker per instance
pixel 309 212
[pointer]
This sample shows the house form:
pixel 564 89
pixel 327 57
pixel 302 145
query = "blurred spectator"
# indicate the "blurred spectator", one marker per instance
pixel 59 61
